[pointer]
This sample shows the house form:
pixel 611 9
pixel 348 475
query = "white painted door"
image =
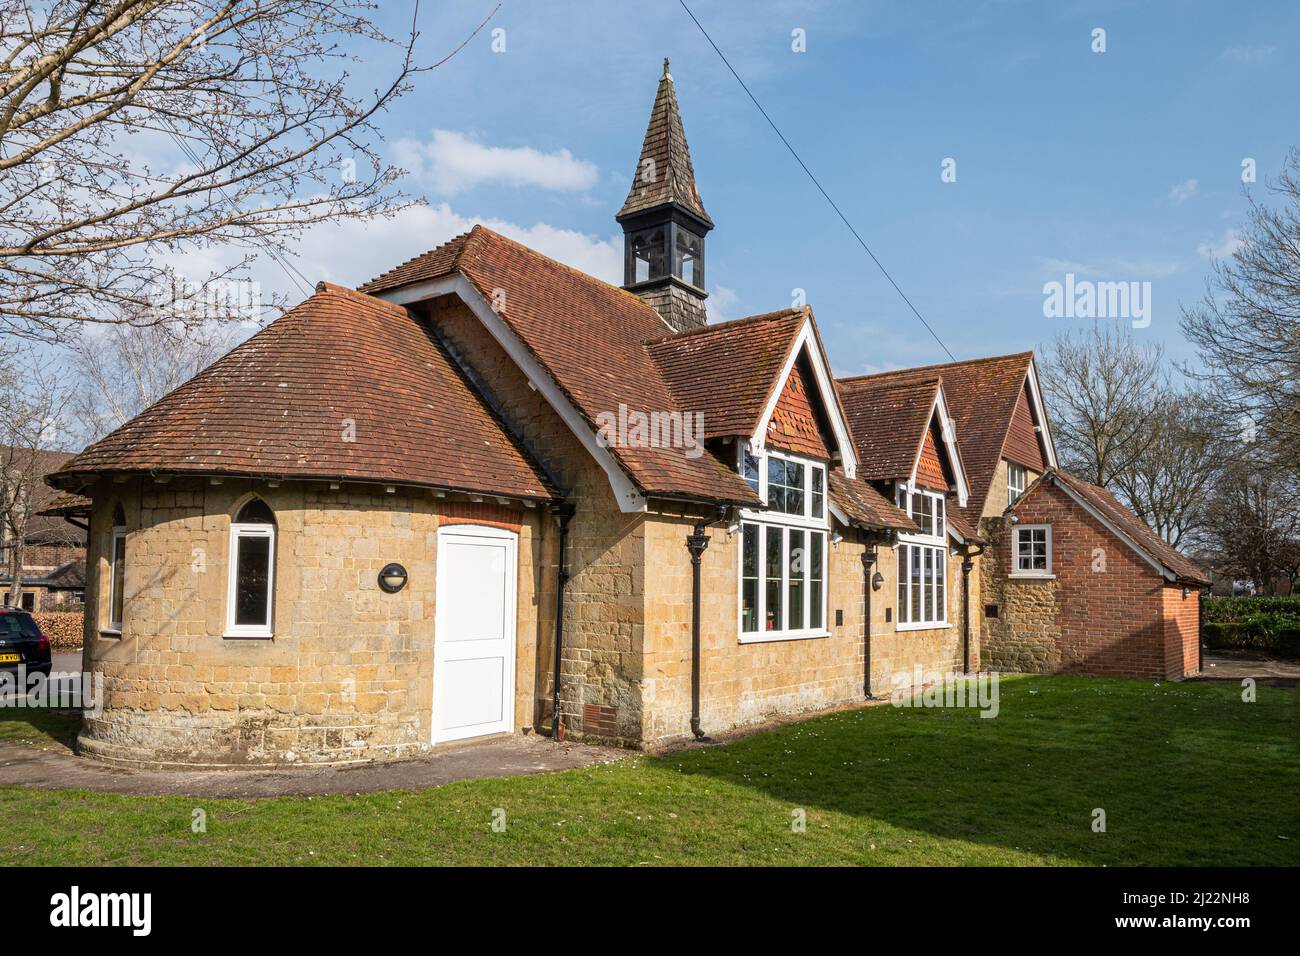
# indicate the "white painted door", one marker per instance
pixel 474 633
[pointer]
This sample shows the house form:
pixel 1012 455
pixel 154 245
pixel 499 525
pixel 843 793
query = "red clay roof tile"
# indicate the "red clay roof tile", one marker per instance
pixel 344 386
pixel 595 340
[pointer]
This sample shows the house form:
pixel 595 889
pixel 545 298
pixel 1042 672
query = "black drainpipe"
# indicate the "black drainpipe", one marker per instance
pixel 696 543
pixel 967 562
pixel 563 514
pixel 868 563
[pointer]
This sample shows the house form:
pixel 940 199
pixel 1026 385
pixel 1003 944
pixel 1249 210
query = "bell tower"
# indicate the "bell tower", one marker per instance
pixel 663 220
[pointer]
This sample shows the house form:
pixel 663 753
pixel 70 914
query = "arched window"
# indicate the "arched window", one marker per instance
pixel 117 571
pixel 252 571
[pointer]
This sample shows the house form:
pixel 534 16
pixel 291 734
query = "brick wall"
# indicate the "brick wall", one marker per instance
pixel 1102 614
pixel 1182 620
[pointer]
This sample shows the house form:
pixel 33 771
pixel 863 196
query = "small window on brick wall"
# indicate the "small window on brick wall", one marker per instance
pixel 1033 551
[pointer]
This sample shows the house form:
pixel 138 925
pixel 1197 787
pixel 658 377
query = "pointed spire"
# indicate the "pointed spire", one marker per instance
pixel 664 175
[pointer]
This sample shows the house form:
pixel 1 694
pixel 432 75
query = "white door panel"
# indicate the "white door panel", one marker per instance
pixel 474 674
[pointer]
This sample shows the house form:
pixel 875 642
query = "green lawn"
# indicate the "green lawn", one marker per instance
pixel 1186 773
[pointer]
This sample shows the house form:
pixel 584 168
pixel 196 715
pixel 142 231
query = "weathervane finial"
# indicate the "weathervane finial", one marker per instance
pixel 666 73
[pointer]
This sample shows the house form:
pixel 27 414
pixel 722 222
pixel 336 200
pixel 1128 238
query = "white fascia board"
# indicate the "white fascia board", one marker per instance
pixel 627 495
pixel 1113 529
pixel 825 387
pixel 1040 410
pixel 948 429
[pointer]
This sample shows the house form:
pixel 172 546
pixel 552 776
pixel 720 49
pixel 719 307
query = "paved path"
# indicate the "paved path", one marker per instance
pixel 56 767
pixel 1236 665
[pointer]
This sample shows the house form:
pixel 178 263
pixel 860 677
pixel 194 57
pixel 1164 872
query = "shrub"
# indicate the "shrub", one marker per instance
pixel 1263 624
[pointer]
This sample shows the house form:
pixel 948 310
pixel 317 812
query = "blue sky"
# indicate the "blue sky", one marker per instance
pixel 1116 166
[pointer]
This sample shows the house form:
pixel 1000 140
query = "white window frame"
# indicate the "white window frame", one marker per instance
pixel 1015 552
pixel 239 530
pixel 1015 491
pixel 769 521
pixel 117 548
pixel 935 544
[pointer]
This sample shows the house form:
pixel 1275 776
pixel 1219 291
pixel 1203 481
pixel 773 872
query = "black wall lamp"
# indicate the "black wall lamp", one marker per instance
pixel 392 578
pixel 877 581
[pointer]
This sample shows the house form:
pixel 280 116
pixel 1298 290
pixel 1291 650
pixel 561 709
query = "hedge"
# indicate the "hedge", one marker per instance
pixel 1269 624
pixel 64 628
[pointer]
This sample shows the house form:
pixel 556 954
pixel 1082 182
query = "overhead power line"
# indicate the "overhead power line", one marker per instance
pixel 825 194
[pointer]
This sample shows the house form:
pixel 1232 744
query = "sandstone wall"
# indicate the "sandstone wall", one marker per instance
pixel 746 683
pixel 348 674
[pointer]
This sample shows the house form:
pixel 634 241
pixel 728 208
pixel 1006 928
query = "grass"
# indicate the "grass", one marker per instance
pixel 1187 774
pixel 38 728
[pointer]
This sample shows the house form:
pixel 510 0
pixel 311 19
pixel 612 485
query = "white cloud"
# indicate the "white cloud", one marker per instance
pixel 451 162
pixel 1183 191
pixel 1248 54
pixel 719 303
pixel 349 252
pixel 1110 268
pixel 1224 247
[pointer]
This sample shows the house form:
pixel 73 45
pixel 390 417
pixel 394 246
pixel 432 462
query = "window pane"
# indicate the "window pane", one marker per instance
pixel 940 591
pixel 749 579
pixel 797 567
pixel 902 584
pixel 119 579
pixel 252 579
pixel 940 517
pixel 776 484
pixel 772 572
pixel 749 468
pixel 927 586
pixel 818 492
pixel 817 551
pixel 914 585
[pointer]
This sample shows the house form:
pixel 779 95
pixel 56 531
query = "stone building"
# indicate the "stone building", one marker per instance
pixel 486 493
pixel 53 556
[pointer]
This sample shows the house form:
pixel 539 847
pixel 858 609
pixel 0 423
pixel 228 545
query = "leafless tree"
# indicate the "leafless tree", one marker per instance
pixel 32 423
pixel 1247 327
pixel 1253 519
pixel 1104 390
pixel 120 371
pixel 135 131
pixel 1182 453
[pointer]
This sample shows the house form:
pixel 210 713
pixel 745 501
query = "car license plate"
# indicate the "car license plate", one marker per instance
pixel 10 658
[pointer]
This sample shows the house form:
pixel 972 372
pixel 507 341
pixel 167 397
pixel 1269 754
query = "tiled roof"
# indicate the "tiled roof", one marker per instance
pixel 889 419
pixel 663 172
pixel 42 527
pixel 1134 528
pixel 592 338
pixel 865 505
pixel 981 396
pixel 344 386
pixel 727 371
pixel 65 503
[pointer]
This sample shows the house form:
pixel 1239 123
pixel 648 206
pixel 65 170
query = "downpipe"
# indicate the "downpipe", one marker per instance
pixel 696 543
pixel 563 515
pixel 967 562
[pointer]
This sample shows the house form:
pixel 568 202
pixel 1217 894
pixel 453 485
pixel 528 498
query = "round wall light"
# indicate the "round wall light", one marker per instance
pixel 392 578
pixel 877 581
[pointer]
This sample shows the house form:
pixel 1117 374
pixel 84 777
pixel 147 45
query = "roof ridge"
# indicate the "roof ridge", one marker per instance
pixel 938 365
pixel 731 324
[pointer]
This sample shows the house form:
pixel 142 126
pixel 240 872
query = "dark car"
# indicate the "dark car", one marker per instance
pixel 22 643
